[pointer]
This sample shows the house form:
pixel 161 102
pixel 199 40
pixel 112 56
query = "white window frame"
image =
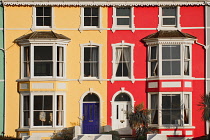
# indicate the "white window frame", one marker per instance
pixel 114 77
pixel 90 44
pixel 169 27
pixel 123 27
pixel 54 103
pixel 83 27
pixel 160 60
pixel 34 26
pixel 54 55
pixel 182 108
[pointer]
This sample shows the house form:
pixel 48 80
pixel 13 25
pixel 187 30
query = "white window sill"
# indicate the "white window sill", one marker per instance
pixel 172 126
pixel 42 79
pixel 122 28
pixel 40 128
pixel 122 79
pixel 169 77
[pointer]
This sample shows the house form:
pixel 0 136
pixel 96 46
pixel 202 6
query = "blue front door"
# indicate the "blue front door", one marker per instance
pixel 90 123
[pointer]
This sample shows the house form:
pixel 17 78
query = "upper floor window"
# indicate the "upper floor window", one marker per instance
pixel 47 61
pixel 169 53
pixel 172 58
pixel 169 17
pixel 122 61
pixel 90 61
pixel 43 17
pixel 123 17
pixel 90 17
pixel 43 54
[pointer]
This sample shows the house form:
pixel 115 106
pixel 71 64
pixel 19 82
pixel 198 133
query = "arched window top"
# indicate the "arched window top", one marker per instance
pixel 122 97
pixel 91 97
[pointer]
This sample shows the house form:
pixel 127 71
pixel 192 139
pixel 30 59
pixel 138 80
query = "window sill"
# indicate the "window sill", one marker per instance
pixel 122 28
pixel 41 79
pixel 169 77
pixel 122 79
pixel 172 126
pixel 89 79
pixel 40 128
pixel 90 28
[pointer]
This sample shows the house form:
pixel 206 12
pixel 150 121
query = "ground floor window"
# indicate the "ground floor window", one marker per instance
pixel 38 110
pixel 170 108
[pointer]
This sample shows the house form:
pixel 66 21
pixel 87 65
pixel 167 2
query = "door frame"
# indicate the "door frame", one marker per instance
pixel 113 102
pixel 81 109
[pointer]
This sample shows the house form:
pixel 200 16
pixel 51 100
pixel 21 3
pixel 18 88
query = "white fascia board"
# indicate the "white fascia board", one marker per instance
pixel 145 3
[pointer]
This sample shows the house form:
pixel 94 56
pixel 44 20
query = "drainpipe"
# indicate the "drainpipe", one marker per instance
pixel 3 132
pixel 206 50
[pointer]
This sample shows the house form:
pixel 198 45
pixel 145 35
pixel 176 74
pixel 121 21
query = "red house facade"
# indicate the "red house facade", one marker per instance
pixel 155 56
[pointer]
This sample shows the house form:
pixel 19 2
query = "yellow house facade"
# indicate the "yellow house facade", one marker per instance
pixel 48 83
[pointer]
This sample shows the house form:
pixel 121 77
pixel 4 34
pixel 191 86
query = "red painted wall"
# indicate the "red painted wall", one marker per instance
pixel 147 17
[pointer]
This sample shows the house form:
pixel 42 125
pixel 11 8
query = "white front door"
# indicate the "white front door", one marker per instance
pixel 120 113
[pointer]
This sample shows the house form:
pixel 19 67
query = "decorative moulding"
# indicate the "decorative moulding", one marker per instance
pixel 91 3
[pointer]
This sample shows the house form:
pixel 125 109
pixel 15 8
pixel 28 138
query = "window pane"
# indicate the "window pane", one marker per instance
pixel 123 21
pixel 154 109
pixel 187 52
pixel 47 102
pixel 87 54
pixel 60 66
pixel 26 102
pixel 39 11
pixel 95 21
pixel 169 11
pixel 26 118
pixel 87 11
pixel 87 70
pixel 175 51
pixel 166 68
pixel 95 11
pixel 26 69
pixel 166 52
pixel 26 53
pixel 39 21
pixel 176 117
pixel 175 67
pixel 38 102
pixel 59 121
pixel 169 21
pixel 87 21
pixel 59 102
pixel 119 70
pixel 60 54
pixel 43 118
pixel 153 53
pixel 43 68
pixel 125 70
pixel 154 68
pixel 166 116
pixel 166 101
pixel 122 97
pixel 91 97
pixel 125 11
pixel 47 21
pixel 47 11
pixel 43 53
pixel 175 101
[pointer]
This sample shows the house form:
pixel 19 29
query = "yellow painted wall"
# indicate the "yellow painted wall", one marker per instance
pixel 19 22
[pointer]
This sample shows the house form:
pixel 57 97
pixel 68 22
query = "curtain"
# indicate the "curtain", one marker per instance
pixel 94 64
pixel 59 108
pixel 186 60
pixel 27 61
pixel 60 61
pixel 127 57
pixel 186 109
pixel 117 60
pixel 154 107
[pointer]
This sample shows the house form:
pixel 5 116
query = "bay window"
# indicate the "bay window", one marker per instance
pixel 170 108
pixel 169 60
pixel 42 110
pixel 45 61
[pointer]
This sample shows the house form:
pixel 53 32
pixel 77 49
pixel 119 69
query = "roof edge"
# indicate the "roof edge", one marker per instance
pixel 33 3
